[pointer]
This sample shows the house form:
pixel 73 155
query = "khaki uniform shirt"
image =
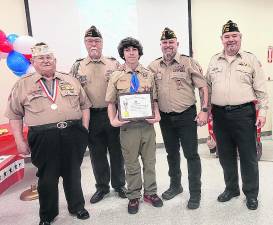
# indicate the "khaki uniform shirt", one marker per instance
pixel 238 82
pixel 120 83
pixel 94 77
pixel 28 100
pixel 176 82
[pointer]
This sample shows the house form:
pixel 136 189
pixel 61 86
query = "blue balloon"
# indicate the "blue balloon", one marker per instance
pixel 11 38
pixel 17 63
pixel 19 74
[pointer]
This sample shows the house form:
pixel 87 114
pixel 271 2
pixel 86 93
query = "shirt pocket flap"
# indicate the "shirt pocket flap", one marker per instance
pixel 244 69
pixel 123 84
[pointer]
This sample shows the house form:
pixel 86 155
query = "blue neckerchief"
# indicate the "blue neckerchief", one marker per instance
pixel 134 85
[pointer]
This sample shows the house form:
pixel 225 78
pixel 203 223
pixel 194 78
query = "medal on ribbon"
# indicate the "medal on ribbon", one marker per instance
pixel 51 95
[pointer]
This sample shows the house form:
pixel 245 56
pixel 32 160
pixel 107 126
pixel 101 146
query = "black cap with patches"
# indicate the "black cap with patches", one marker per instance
pixel 230 27
pixel 93 32
pixel 167 33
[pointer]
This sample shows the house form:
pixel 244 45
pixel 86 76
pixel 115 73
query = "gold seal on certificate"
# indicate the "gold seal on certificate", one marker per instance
pixel 54 106
pixel 137 106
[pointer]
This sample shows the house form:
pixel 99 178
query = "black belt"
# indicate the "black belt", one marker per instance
pixel 59 125
pixel 176 113
pixel 98 109
pixel 232 107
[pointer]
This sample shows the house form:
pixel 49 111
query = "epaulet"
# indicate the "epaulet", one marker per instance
pixel 27 75
pixel 111 58
pixel 145 69
pixel 159 58
pixel 248 52
pixel 185 55
pixel 62 73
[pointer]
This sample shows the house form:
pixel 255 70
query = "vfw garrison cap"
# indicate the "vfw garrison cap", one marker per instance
pixel 167 33
pixel 230 27
pixel 93 32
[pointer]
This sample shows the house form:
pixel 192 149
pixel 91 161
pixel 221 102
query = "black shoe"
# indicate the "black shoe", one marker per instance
pixel 252 203
pixel 133 206
pixel 97 196
pixel 227 195
pixel 194 202
pixel 121 192
pixel 82 214
pixel 44 223
pixel 172 192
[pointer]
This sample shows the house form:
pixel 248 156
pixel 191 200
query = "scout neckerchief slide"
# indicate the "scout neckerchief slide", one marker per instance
pixel 134 85
pixel 51 95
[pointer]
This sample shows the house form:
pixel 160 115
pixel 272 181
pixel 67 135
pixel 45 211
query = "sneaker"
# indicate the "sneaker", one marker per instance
pixel 172 192
pixel 121 192
pixel 133 206
pixel 153 199
pixel 194 202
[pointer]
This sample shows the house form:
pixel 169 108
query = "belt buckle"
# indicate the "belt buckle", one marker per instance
pixel 228 107
pixel 62 125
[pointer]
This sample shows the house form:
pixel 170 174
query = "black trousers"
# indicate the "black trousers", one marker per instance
pixel 181 129
pixel 58 152
pixel 236 129
pixel 104 138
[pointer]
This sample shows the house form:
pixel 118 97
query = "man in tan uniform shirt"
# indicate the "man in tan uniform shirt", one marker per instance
pixel 176 77
pixel 138 137
pixel 236 79
pixel 56 109
pixel 94 72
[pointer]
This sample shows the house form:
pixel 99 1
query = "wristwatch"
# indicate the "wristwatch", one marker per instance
pixel 204 109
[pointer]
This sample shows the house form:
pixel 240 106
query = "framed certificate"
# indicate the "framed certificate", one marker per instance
pixel 136 106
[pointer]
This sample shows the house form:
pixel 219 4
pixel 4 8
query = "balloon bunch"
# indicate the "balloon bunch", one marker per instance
pixel 17 50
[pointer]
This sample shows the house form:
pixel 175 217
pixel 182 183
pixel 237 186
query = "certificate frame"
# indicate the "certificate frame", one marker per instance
pixel 135 107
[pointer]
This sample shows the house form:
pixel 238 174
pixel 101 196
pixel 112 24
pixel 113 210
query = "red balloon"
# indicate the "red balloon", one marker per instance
pixel 5 46
pixel 3 36
pixel 28 56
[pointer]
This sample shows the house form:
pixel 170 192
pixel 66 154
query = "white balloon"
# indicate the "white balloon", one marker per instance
pixel 3 55
pixel 30 69
pixel 23 44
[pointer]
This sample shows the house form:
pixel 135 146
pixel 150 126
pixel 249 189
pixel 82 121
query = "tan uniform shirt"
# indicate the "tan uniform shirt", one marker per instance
pixel 28 100
pixel 120 83
pixel 176 82
pixel 238 82
pixel 94 76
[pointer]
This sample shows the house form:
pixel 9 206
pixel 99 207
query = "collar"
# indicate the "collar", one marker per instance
pixel 175 59
pixel 129 70
pixel 100 60
pixel 38 76
pixel 222 55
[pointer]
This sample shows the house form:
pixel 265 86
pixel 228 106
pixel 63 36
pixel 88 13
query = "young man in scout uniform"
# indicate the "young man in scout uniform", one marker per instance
pixel 176 77
pixel 56 110
pixel 236 79
pixel 138 137
pixel 93 72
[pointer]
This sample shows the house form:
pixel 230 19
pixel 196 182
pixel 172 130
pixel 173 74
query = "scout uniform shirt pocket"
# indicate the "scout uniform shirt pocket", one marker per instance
pixel 123 86
pixel 215 73
pixel 245 73
pixel 180 78
pixel 35 101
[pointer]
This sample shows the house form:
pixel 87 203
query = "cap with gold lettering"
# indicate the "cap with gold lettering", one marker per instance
pixel 230 27
pixel 167 33
pixel 40 49
pixel 93 32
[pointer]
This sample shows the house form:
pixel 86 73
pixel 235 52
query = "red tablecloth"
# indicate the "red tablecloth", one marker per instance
pixel 7 142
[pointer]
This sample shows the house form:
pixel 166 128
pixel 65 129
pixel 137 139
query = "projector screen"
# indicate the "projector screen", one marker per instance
pixel 62 24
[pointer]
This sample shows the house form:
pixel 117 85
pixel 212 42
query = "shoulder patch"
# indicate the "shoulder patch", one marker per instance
pixel 80 59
